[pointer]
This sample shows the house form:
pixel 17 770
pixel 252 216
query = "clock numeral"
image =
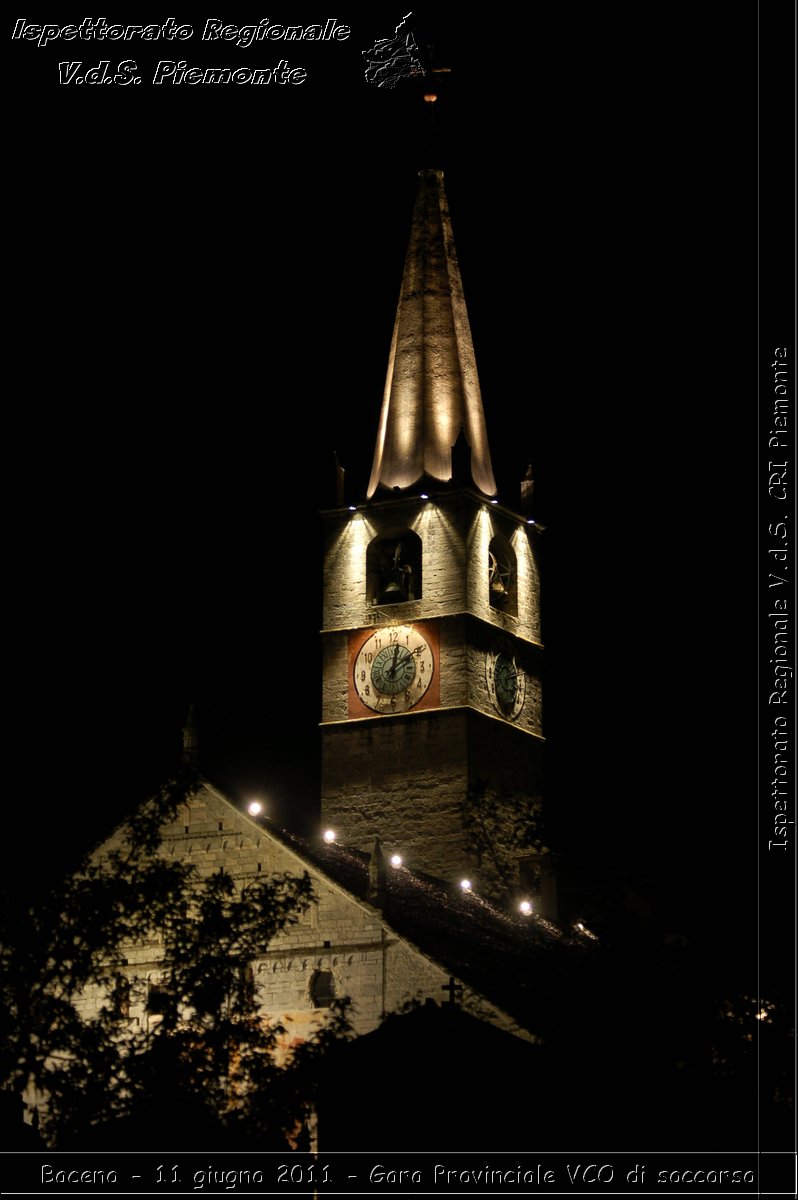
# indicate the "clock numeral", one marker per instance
pixel 369 657
pixel 362 676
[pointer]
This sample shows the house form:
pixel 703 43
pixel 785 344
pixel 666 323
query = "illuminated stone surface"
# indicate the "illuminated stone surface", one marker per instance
pixel 370 960
pixel 406 778
pixel 432 388
pixel 403 779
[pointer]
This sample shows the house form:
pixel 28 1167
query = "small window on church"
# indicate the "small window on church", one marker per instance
pixel 247 988
pixel 322 989
pixel 393 569
pixel 502 576
pixel 157 1000
pixel 120 998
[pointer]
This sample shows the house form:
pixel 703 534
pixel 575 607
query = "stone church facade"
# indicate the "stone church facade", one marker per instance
pixel 342 946
pixel 431 687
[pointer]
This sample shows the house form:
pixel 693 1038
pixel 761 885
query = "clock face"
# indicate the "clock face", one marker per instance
pixel 505 679
pixel 393 669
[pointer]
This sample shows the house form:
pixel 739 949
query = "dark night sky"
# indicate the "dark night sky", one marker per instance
pixel 204 288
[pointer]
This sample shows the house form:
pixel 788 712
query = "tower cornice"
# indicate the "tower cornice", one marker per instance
pixel 408 499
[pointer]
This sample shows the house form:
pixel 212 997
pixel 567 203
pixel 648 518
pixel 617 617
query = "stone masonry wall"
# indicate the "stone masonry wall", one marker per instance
pixel 402 779
pixel 405 780
pixel 455 531
pixel 370 964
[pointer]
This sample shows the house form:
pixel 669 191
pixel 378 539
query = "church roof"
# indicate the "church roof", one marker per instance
pixel 492 951
pixel 431 390
pixel 520 965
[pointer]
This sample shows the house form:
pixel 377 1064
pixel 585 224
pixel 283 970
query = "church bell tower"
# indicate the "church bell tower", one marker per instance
pixel 431 620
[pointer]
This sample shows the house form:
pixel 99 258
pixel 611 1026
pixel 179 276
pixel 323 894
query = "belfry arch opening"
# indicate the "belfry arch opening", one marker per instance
pixel 503 576
pixel 393 569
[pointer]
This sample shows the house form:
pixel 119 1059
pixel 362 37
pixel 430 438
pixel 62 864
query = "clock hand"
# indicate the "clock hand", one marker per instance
pixel 391 672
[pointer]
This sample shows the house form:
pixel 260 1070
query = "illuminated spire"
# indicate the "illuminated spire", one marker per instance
pixel 432 389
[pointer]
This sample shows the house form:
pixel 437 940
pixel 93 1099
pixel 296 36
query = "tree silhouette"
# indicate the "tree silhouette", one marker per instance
pixel 207 1065
pixel 501 826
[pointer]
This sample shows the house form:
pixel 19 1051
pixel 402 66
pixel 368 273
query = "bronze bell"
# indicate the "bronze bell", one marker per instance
pixel 392 593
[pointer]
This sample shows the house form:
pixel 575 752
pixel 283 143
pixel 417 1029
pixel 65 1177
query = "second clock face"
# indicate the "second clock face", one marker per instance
pixel 393 669
pixel 505 679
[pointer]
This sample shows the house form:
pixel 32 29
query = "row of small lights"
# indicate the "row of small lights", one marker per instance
pixel 396 860
pixel 525 907
pixel 425 496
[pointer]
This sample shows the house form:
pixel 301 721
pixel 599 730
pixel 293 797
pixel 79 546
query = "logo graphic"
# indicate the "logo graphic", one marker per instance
pixel 393 58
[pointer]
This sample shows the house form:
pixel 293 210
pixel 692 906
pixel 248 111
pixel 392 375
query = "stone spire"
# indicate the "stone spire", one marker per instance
pixel 432 390
pixel 190 739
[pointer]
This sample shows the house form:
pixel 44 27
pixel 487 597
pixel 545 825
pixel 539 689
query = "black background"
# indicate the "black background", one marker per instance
pixel 203 292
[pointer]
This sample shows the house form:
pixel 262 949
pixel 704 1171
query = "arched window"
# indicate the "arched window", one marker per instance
pixel 393 569
pixel 322 989
pixel 502 576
